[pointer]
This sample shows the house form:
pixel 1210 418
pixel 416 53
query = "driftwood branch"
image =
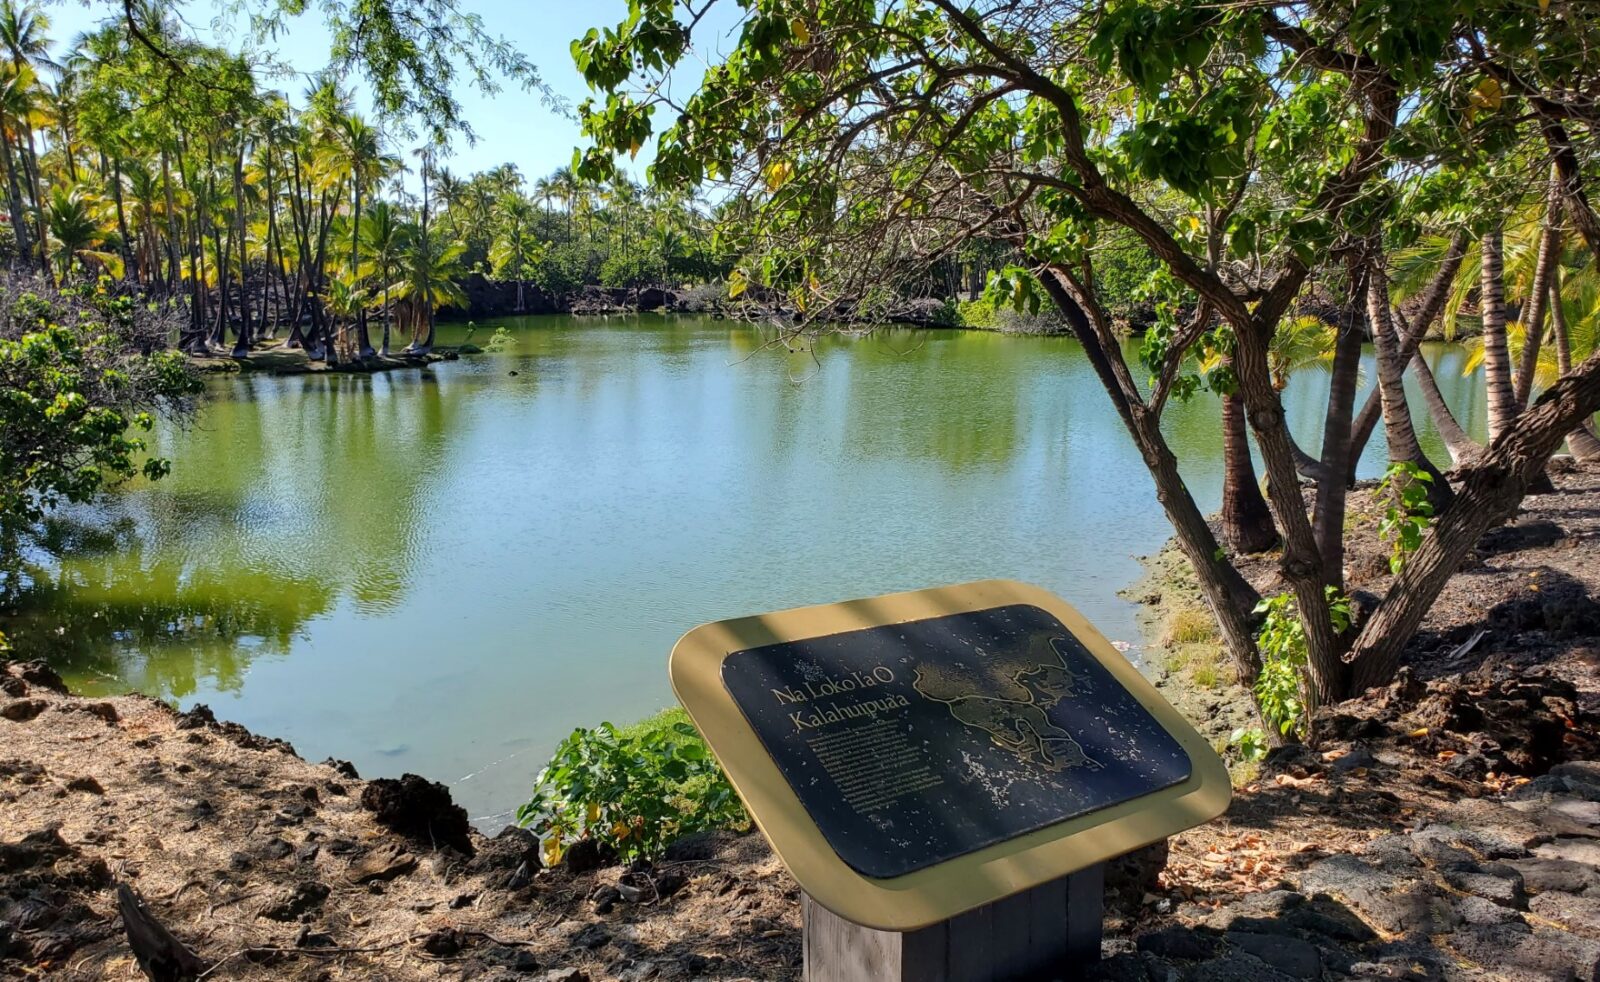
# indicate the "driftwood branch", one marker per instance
pixel 161 955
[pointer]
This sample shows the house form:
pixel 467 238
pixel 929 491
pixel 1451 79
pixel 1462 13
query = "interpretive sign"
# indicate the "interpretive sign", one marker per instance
pixel 914 756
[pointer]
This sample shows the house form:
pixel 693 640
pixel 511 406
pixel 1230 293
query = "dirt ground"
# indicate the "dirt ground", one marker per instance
pixel 1501 683
pixel 270 867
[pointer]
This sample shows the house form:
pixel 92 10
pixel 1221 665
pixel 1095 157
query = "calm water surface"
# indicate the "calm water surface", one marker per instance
pixel 445 571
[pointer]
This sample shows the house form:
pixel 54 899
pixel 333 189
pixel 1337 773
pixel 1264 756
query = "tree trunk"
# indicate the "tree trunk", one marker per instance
pixel 1433 302
pixel 1246 519
pixel 174 268
pixel 1582 440
pixel 1462 446
pixel 1337 433
pixel 130 265
pixel 241 347
pixel 1397 424
pixel 1539 293
pixel 1230 598
pixel 384 350
pixel 30 168
pixel 19 224
pixel 1496 356
pixel 1491 488
pixel 363 340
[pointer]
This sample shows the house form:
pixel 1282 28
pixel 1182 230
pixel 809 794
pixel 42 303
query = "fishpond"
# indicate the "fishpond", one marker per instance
pixel 446 570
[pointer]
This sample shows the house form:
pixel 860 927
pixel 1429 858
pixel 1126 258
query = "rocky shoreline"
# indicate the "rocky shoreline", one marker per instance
pixel 1448 828
pixel 272 358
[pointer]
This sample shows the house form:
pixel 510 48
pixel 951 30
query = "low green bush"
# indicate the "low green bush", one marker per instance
pixel 632 790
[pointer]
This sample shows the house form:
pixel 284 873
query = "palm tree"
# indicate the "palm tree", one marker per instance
pixel 567 186
pixel 515 248
pixel 75 235
pixel 383 239
pixel 364 164
pixel 430 268
pixel 22 34
pixel 345 299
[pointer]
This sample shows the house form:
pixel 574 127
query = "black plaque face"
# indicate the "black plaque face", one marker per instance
pixel 915 743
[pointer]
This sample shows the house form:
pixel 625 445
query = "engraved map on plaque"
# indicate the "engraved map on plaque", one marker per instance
pixel 911 744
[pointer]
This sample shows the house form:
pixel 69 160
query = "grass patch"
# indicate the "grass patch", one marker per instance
pixel 1205 666
pixel 1189 625
pixel 1201 663
pixel 660 722
pixel 1244 772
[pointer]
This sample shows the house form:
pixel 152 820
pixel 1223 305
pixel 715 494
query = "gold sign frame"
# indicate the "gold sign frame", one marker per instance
pixel 936 893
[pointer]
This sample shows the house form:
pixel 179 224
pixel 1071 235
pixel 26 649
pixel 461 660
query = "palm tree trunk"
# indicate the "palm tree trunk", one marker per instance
pixel 30 168
pixel 1433 302
pixel 1539 293
pixel 130 264
pixel 1496 355
pixel 173 267
pixel 1338 432
pixel 363 340
pixel 241 347
pixel 1581 441
pixel 384 351
pixel 1461 446
pixel 1397 425
pixel 1246 519
pixel 19 224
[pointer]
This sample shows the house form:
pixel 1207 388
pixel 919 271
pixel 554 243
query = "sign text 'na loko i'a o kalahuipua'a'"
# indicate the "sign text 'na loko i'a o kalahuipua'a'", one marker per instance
pixel 945 773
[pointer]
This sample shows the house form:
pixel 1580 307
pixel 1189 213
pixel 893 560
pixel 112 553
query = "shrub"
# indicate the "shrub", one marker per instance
pixel 1281 688
pixel 633 790
pixel 990 313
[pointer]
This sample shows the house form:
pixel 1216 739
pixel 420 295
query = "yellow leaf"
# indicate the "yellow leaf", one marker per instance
pixel 594 813
pixel 1418 733
pixel 736 284
pixel 801 32
pixel 621 830
pixel 1544 6
pixel 552 851
pixel 778 174
pixel 1487 94
pixel 633 150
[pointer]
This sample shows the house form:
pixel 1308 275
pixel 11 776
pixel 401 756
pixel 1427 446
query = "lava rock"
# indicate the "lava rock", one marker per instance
pixel 419 809
pixel 1291 956
pixel 196 718
pixel 383 862
pixel 37 673
pixel 344 767
pixel 444 942
pixel 103 711
pixel 586 855
pixel 1177 942
pixel 302 898
pixel 592 937
pixel 500 858
pixel 516 959
pixel 23 710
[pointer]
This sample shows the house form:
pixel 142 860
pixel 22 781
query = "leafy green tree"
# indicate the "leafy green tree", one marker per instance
pixel 77 392
pixel 1250 149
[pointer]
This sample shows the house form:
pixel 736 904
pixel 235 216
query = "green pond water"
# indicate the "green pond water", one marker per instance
pixel 444 571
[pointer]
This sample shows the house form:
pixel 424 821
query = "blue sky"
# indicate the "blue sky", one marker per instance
pixel 511 126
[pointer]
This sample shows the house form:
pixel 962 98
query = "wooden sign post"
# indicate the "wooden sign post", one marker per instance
pixel 945 772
